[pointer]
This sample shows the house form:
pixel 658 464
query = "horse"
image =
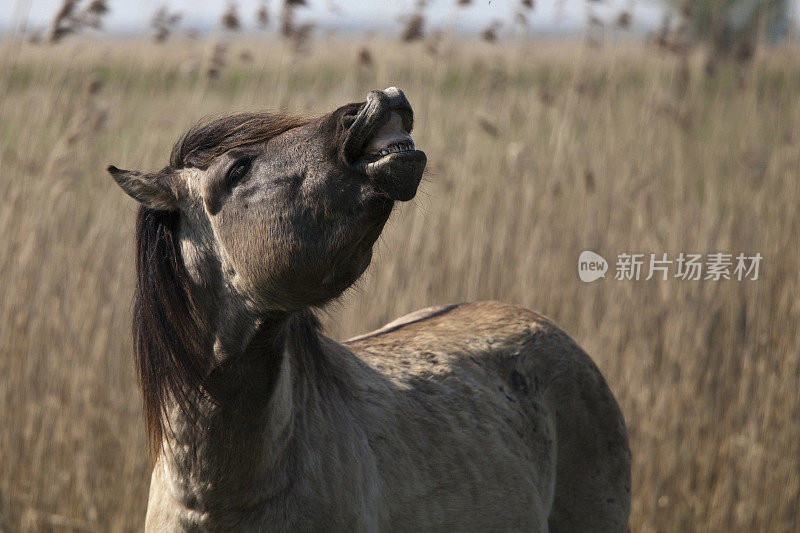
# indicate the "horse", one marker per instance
pixel 472 417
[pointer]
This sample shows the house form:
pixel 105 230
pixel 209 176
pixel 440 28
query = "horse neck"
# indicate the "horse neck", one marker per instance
pixel 236 450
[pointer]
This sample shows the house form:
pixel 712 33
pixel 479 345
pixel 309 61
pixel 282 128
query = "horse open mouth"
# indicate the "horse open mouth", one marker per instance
pixel 379 144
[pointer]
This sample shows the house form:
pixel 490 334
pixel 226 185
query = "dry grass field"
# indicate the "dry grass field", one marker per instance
pixel 537 152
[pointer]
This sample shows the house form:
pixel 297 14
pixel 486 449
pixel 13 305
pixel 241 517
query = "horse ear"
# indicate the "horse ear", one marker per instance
pixel 152 190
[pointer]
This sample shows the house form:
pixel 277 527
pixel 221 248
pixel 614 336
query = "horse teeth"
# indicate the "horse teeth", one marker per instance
pixel 398 147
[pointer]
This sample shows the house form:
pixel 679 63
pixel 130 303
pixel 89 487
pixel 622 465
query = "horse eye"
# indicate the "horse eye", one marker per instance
pixel 239 169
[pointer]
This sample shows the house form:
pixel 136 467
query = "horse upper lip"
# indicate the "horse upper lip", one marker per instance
pixel 391 136
pixel 380 107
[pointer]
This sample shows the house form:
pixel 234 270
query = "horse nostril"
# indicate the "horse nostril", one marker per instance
pixel 350 116
pixel 348 121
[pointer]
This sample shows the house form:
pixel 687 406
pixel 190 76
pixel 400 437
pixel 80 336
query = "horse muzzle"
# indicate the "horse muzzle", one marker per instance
pixel 379 144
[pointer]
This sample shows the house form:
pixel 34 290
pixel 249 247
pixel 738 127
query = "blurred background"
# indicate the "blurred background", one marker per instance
pixel 551 127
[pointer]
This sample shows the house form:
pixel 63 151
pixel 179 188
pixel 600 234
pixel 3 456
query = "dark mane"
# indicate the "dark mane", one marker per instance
pixel 209 139
pixel 168 326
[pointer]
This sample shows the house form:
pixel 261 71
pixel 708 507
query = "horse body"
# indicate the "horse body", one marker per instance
pixel 452 421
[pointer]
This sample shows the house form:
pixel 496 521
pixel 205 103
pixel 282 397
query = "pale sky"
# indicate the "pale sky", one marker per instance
pixel 358 15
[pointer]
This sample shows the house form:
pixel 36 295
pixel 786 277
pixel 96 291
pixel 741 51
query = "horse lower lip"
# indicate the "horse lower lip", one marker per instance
pixel 397 175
